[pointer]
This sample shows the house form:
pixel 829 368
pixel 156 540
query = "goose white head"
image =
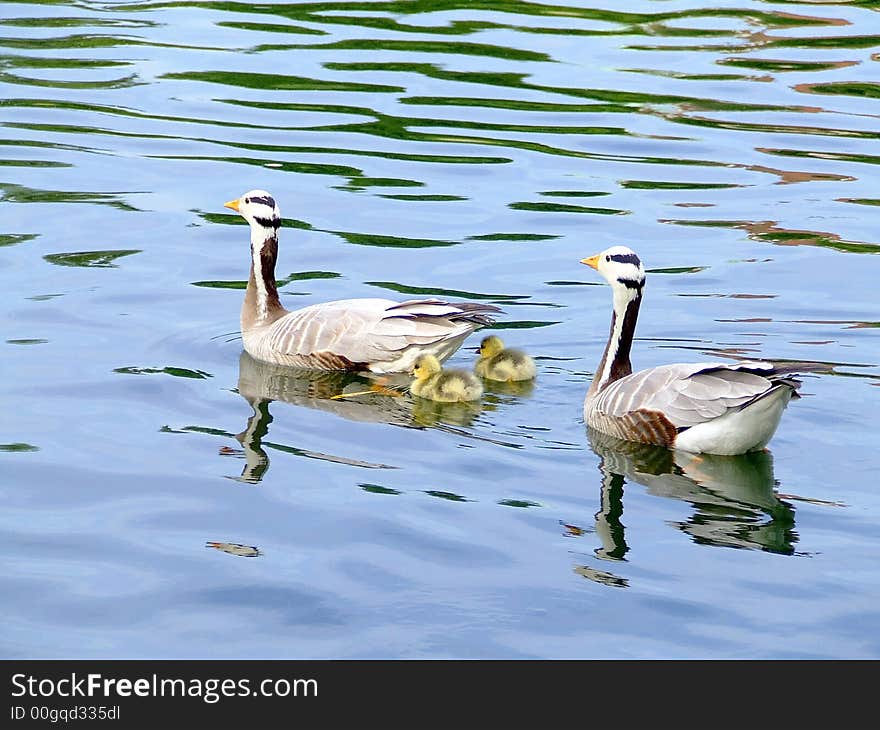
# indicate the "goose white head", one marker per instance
pixel 620 266
pixel 261 211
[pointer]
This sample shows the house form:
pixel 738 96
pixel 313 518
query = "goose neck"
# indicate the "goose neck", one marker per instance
pixel 261 304
pixel 615 362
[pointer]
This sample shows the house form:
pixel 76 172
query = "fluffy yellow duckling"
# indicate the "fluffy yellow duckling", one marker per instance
pixel 505 364
pixel 445 386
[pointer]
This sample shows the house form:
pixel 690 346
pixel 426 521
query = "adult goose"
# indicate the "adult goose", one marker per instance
pixel 379 335
pixel 714 408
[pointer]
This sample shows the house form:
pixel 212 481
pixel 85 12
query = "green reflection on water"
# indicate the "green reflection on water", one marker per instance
pixel 271 27
pixel 121 83
pixel 823 155
pixel 378 489
pixel 175 371
pixel 87 40
pixel 517 80
pixel 33 163
pixel 513 237
pixel 22 194
pixel 303 168
pixel 865 90
pixel 10 239
pixel 515 104
pixel 562 208
pixel 236 220
pixel 383 182
pixel 574 193
pixel 450 496
pixel 373 239
pixel 431 47
pixel 777 128
pixel 766 64
pixel 18 447
pixel 435 291
pixel 425 198
pixel 41 62
pixel 628 22
pixel 658 185
pixel 74 22
pixel 277 82
pixel 96 259
pixel 296 276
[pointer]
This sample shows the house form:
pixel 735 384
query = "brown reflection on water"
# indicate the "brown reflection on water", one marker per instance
pixel 789 177
pixel 772 232
pixel 234 548
pixel 782 65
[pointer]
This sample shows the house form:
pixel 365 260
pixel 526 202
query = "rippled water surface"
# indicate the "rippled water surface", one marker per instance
pixel 166 496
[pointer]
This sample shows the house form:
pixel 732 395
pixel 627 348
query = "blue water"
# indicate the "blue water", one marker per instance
pixel 165 496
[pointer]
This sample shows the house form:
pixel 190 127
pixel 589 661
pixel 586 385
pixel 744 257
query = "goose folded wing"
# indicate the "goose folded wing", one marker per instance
pixel 688 394
pixel 366 330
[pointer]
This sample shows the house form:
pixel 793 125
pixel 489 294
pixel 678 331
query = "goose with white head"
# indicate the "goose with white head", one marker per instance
pixel 715 408
pixel 379 335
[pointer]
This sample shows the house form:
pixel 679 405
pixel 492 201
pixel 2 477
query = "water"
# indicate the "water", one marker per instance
pixel 164 496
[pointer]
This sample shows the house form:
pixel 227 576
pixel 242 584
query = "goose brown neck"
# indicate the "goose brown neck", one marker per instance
pixel 618 348
pixel 261 303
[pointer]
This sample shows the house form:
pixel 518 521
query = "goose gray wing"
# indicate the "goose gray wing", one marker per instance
pixel 689 394
pixel 370 332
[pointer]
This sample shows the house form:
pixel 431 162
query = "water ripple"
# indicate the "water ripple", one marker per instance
pixel 470 149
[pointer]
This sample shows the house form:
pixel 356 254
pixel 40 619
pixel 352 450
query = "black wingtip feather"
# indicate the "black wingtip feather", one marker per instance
pixel 476 312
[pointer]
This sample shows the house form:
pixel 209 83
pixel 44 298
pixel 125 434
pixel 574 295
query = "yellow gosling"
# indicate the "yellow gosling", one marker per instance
pixel 444 386
pixel 497 362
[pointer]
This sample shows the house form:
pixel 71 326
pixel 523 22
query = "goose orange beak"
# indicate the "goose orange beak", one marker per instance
pixel 232 204
pixel 592 262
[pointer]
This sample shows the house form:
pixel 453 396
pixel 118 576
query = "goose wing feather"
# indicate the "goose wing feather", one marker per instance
pixel 688 394
pixel 367 330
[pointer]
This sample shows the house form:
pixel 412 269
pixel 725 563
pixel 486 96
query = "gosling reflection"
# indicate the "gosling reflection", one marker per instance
pixel 353 396
pixel 518 388
pixel 734 501
pixel 319 389
pixel 433 413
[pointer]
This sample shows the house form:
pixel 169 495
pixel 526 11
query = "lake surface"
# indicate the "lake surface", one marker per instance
pixel 165 496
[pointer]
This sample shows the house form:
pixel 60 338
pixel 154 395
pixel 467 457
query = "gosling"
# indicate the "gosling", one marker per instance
pixel 444 386
pixel 505 364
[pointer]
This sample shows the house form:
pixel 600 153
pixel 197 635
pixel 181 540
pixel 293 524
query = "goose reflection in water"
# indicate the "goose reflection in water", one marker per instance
pixel 734 500
pixel 341 393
